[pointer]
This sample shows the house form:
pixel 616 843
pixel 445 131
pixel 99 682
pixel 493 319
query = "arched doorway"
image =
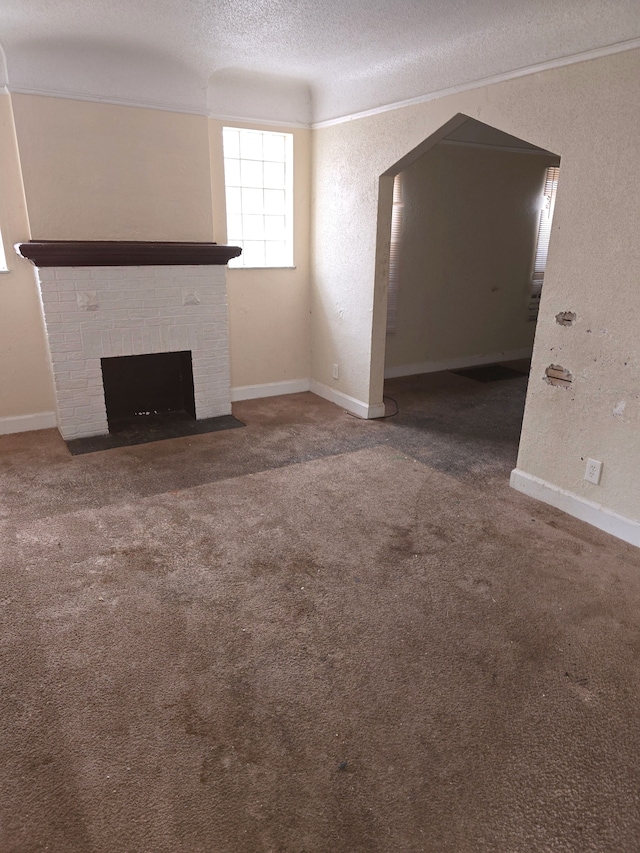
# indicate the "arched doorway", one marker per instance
pixel 463 227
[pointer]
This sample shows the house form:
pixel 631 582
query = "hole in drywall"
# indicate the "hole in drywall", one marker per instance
pixel 555 374
pixel 566 318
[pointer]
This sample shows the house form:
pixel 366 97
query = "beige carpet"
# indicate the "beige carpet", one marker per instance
pixel 355 653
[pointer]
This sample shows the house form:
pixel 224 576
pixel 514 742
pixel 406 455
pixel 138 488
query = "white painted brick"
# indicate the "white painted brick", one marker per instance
pixel 136 341
pixel 169 271
pixel 50 296
pixel 127 346
pixel 165 336
pixel 143 314
pixel 98 324
pixel 56 337
pixel 71 335
pixel 84 411
pixel 84 431
pixel 141 311
pixel 147 338
pixel 142 272
pixel 108 273
pixel 66 296
pixel 74 385
pixel 107 350
pixel 115 339
pixel 68 351
pixel 70 330
pixel 71 273
pixel 74 365
pixel 157 343
pixel 91 343
pixel 66 413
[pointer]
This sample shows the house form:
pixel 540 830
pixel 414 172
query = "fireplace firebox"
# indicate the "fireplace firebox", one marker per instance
pixel 148 388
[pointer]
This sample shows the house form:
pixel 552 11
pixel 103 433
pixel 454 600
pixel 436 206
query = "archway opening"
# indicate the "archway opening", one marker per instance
pixel 464 223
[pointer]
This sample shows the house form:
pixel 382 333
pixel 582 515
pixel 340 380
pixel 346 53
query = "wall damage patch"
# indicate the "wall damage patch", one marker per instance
pixel 566 318
pixel 555 374
pixel 618 409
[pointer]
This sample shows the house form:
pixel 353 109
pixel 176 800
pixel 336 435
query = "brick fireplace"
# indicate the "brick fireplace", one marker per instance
pixel 103 300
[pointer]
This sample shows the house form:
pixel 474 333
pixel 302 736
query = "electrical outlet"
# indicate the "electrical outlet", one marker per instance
pixel 335 372
pixel 593 471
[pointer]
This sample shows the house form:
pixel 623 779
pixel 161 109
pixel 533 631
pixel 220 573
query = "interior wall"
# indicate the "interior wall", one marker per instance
pixel 95 171
pixel 585 113
pixel 25 379
pixel 268 308
pixel 99 171
pixel 469 230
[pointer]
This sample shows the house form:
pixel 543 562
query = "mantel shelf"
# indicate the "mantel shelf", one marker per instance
pixel 124 253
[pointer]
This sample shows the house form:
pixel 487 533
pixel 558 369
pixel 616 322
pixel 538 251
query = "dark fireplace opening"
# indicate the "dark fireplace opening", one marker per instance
pixel 148 391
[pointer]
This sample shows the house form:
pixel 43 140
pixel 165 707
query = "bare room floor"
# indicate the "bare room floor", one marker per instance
pixel 314 633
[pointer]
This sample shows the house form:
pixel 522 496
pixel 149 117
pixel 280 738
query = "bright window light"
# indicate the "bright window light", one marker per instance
pixel 542 241
pixel 395 252
pixel 258 175
pixel 3 258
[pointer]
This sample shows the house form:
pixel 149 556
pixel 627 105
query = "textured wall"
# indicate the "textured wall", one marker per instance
pixel 470 223
pixel 268 309
pixel 103 172
pixel 585 113
pixel 25 379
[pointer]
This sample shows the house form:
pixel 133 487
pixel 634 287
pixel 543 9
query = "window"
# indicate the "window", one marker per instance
pixel 397 219
pixel 542 242
pixel 258 174
pixel 3 258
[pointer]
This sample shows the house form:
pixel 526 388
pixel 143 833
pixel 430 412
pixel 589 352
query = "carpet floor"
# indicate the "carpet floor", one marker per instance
pixel 313 635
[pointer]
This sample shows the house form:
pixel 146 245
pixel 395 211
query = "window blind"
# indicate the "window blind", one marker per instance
pixel 542 242
pixel 397 221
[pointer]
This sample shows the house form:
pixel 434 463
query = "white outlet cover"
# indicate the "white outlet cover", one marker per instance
pixel 593 471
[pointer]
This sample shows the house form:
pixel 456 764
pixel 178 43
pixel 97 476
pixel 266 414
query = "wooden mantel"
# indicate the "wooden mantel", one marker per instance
pixel 124 253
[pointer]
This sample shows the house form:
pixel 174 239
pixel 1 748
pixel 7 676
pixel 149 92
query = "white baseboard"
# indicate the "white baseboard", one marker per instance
pixel 26 423
pixel 356 407
pixel 269 389
pixel 455 363
pixel 577 506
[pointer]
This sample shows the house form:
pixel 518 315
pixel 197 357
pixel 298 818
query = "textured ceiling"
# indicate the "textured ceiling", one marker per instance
pixel 339 57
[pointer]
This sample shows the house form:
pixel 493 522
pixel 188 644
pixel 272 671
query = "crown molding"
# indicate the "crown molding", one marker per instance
pixel 172 108
pixel 585 56
pixel 259 121
pixel 97 99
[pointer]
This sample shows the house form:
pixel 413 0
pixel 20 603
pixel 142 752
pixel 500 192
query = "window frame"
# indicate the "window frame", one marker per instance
pixel 247 187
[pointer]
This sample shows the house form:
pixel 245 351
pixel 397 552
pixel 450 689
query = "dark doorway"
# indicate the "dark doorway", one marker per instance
pixel 148 389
